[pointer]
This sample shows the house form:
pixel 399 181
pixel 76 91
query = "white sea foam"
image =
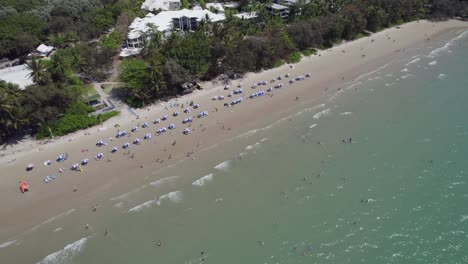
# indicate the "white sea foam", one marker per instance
pixel 464 218
pixel 432 63
pixel 442 76
pixel 66 254
pixel 447 45
pixel 164 181
pixel 313 125
pixel 406 76
pixel 346 113
pixel 322 113
pixel 203 180
pixel 263 139
pixel 372 72
pixel 175 196
pixel 7 244
pixel 250 147
pixel 48 221
pixel 254 131
pixel 223 166
pixel 336 94
pixel 413 61
pixel 58 229
pixel 405 70
pixel 118 205
pixel 144 205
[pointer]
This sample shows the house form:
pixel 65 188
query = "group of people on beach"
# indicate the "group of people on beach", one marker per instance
pixel 189 106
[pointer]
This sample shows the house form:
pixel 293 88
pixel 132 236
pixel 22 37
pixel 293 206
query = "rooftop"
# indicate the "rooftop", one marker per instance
pixel 278 7
pixel 246 15
pixel 158 4
pixel 217 6
pixel 163 20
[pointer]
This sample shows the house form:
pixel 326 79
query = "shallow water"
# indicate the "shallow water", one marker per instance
pixel 293 192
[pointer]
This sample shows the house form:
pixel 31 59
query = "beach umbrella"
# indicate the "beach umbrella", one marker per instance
pixel 30 167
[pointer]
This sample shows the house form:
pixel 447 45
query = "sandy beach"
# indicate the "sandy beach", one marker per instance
pixel 330 70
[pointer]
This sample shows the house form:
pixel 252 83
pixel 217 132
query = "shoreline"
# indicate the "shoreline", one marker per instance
pixel 46 200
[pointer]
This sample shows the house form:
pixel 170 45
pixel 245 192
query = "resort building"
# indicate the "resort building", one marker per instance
pixel 42 51
pixel 165 5
pixel 165 22
pixel 280 11
pixel 215 6
pixel 247 15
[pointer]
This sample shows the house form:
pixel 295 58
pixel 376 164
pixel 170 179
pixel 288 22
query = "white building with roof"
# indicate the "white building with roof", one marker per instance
pixel 165 5
pixel 217 6
pixel 166 21
pixel 278 10
pixel 247 15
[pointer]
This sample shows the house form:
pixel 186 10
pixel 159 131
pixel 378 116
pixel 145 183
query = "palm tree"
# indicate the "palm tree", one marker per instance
pixel 79 63
pixel 59 67
pixel 39 73
pixel 11 115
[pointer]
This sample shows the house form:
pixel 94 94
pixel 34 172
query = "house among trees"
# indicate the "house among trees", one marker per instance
pixel 280 11
pixel 42 51
pixel 165 5
pixel 247 15
pixel 165 22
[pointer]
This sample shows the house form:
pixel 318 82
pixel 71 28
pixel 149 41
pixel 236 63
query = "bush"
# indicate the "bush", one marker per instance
pixel 278 63
pixel 294 57
pixel 76 118
pixel 109 115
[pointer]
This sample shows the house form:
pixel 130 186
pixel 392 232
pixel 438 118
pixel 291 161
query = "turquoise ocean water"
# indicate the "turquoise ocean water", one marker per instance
pixel 395 191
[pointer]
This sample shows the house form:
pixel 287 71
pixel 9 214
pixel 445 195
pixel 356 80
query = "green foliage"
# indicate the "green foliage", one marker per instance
pixel 192 51
pixel 19 34
pixel 106 116
pixel 294 57
pixel 133 72
pixel 184 3
pixel 309 52
pixel 278 63
pixel 111 41
pixel 76 117
pixel 202 4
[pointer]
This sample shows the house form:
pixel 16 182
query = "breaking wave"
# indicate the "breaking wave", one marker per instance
pixel 203 180
pixel 66 254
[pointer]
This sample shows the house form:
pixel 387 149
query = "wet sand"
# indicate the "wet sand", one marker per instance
pixel 331 70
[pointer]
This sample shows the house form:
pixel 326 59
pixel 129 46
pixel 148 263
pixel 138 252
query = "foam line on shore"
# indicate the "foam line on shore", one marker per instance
pixel 7 244
pixel 253 131
pixel 175 196
pixel 48 221
pixel 223 166
pixel 66 254
pixel 322 113
pixel 447 45
pixel 203 180
pixel 164 181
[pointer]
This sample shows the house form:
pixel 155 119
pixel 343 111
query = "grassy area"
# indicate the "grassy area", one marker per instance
pixel 107 88
pixel 90 90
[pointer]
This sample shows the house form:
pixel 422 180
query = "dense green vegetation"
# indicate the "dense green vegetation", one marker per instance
pixel 60 22
pixel 53 105
pixel 237 46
